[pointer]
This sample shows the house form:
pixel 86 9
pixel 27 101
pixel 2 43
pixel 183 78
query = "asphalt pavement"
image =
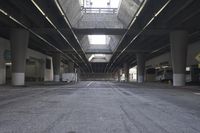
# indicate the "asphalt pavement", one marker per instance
pixel 99 107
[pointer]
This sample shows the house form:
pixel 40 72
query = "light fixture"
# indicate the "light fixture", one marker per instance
pixel 8 63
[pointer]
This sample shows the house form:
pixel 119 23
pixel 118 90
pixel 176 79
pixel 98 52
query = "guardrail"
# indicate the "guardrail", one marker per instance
pixel 99 10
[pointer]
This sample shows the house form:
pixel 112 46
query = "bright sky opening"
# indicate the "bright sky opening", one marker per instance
pixel 97 39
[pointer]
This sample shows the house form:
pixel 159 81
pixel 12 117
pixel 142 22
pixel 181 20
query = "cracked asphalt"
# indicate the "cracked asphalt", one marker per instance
pixel 99 107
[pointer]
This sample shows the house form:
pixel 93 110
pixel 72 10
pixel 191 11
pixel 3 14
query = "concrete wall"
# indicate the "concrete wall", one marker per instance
pixel 41 58
pixel 127 10
pixel 99 48
pixel 84 41
pixel 36 69
pixel 96 20
pixel 114 41
pixel 72 9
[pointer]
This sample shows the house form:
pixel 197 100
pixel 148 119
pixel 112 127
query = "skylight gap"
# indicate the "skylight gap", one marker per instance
pixel 97 39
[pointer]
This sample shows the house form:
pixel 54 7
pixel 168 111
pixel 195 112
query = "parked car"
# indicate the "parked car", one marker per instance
pixel 164 74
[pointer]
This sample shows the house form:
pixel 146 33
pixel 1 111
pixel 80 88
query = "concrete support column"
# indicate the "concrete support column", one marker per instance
pixel 65 68
pixel 71 67
pixel 179 41
pixel 140 67
pixel 126 72
pixel 2 71
pixel 19 39
pixel 118 75
pixel 56 66
pixel 78 71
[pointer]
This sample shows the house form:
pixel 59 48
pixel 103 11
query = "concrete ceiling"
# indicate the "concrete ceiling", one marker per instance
pixel 181 14
pixel 72 9
pixel 81 20
pixel 99 23
pixel 106 49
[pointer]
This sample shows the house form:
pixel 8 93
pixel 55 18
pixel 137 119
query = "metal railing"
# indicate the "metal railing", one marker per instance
pixel 99 10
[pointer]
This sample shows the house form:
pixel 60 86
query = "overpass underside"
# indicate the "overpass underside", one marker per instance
pixel 74 40
pixel 99 66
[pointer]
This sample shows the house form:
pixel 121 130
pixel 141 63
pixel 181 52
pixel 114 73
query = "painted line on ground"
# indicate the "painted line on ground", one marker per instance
pixel 89 83
pixel 197 93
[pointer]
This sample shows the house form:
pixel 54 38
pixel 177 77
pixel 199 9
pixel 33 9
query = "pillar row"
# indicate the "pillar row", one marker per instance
pixel 56 66
pixel 178 42
pixel 140 67
pixel 19 39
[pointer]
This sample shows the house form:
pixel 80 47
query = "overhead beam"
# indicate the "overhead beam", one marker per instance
pixel 99 31
pixel 149 32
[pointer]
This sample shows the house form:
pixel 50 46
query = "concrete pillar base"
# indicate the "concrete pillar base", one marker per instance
pixel 140 79
pixel 179 42
pixel 2 76
pixel 179 79
pixel 140 67
pixel 126 72
pixel 57 78
pixel 118 75
pixel 18 79
pixel 19 39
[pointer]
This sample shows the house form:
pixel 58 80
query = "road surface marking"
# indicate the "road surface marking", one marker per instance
pixel 89 83
pixel 197 93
